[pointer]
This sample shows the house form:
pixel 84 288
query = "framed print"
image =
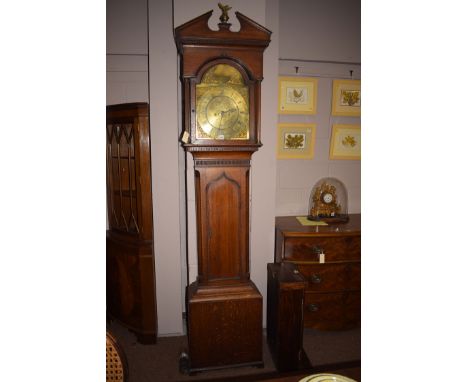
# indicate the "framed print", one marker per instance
pixel 346 98
pixel 297 95
pixel 296 140
pixel 345 142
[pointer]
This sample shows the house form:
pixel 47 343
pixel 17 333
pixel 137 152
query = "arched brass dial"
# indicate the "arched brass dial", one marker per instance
pixel 222 114
pixel 222 107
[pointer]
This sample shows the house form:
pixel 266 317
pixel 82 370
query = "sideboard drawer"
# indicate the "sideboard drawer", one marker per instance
pixel 331 277
pixel 332 311
pixel 335 248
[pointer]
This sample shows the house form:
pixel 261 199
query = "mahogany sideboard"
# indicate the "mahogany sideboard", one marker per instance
pixel 329 258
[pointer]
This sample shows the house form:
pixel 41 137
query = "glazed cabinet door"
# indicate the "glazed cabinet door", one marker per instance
pixel 131 288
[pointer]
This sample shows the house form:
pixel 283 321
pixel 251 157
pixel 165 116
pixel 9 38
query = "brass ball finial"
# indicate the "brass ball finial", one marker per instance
pixel 224 15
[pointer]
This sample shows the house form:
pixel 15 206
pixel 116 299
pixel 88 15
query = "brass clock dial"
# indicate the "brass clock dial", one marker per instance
pixel 222 107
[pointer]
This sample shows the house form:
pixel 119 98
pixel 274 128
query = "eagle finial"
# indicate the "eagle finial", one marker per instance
pixel 224 15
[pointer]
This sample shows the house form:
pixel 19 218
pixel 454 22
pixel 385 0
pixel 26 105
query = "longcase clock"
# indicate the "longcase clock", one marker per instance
pixel 221 73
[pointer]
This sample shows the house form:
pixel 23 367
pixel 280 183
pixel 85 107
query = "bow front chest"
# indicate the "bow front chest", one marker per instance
pixel 329 258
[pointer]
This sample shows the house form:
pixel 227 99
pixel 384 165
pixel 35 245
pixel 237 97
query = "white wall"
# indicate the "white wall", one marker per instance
pixel 322 39
pixel 164 116
pixel 127 79
pixel 321 30
pixel 127 52
pixel 126 23
pixel 264 164
pixel 295 178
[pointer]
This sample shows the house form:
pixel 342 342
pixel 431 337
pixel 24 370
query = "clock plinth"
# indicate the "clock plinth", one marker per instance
pixel 224 326
pixel 221 75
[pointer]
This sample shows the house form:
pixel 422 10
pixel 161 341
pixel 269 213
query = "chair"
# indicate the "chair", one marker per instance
pixel 116 363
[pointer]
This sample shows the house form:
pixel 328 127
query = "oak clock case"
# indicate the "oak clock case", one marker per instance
pixel 221 74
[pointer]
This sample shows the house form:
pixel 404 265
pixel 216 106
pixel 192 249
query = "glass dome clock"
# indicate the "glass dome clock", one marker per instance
pixel 328 201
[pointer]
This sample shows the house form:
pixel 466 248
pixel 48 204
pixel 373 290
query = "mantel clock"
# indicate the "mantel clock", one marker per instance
pixel 328 201
pixel 221 74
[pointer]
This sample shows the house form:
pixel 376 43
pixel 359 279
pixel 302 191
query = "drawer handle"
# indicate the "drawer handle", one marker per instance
pixel 312 308
pixel 315 279
pixel 320 253
pixel 316 249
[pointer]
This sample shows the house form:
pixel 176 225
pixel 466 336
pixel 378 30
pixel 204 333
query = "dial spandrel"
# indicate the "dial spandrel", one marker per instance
pixel 222 105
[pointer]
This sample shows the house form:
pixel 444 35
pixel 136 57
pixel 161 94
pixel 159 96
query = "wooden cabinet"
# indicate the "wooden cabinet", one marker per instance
pixel 286 289
pixel 329 258
pixel 130 289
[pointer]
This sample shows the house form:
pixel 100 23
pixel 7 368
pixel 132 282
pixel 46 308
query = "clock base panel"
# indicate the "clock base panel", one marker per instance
pixel 224 326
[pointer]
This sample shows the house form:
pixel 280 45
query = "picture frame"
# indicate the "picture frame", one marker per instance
pixel 296 140
pixel 345 142
pixel 346 99
pixel 297 95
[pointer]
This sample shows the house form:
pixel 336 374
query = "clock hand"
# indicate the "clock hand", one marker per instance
pixel 221 119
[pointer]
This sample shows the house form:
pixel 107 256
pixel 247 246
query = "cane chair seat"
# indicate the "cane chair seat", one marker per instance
pixel 116 365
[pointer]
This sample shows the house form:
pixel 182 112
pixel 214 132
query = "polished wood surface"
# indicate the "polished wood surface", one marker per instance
pixel 325 277
pixel 286 289
pixel 129 198
pixel 131 295
pixel 224 308
pixel 222 189
pixel 339 248
pixel 225 326
pixel 332 311
pixel 201 49
pixel 332 297
pixel 292 227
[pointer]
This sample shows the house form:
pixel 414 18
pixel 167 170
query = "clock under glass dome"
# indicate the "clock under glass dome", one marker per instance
pixel 328 201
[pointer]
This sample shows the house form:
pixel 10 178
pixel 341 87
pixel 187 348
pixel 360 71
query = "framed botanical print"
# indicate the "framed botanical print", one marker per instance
pixel 346 98
pixel 345 142
pixel 297 95
pixel 296 140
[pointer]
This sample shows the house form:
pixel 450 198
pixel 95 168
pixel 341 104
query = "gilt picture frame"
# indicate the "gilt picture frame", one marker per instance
pixel 345 142
pixel 346 99
pixel 297 95
pixel 296 140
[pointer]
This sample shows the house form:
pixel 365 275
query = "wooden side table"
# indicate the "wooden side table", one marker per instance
pixel 286 289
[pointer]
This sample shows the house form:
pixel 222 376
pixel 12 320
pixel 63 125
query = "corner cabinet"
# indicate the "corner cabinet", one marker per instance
pixel 130 284
pixel 329 259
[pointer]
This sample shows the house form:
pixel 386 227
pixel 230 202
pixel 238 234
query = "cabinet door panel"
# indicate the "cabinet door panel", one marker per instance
pixel 223 213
